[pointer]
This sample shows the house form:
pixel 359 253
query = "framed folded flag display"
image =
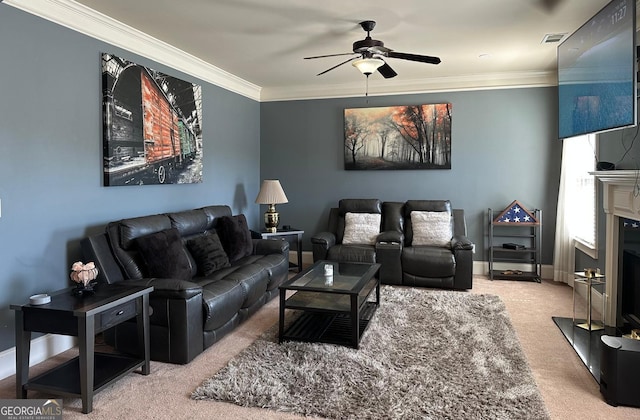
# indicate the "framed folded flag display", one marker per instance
pixel 516 213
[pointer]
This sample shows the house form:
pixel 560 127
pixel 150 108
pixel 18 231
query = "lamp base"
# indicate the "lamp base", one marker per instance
pixel 271 219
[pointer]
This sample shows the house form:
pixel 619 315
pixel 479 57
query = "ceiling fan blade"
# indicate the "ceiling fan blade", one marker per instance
pixel 329 55
pixel 414 57
pixel 386 71
pixel 338 65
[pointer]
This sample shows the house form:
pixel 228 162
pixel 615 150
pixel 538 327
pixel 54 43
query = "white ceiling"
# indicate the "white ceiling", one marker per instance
pixel 264 41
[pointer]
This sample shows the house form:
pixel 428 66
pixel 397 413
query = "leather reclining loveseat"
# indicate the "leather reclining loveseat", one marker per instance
pixel 206 293
pixel 437 254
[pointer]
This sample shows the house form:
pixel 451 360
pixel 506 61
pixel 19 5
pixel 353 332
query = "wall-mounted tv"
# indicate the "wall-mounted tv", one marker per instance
pixel 597 73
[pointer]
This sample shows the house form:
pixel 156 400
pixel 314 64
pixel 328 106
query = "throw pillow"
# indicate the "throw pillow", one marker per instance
pixel 236 236
pixel 361 228
pixel 164 255
pixel 431 228
pixel 208 253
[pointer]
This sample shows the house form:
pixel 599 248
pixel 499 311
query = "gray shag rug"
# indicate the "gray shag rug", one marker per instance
pixel 426 354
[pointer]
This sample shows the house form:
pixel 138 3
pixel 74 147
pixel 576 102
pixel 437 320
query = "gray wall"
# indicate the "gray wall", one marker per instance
pixel 504 148
pixel 51 156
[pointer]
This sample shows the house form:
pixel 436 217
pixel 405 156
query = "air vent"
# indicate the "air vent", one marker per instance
pixel 552 38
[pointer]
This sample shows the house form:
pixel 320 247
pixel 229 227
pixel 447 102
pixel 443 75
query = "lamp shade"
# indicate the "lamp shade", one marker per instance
pixel 367 65
pixel 271 192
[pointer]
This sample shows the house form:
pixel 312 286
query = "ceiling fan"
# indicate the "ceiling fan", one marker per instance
pixel 370 54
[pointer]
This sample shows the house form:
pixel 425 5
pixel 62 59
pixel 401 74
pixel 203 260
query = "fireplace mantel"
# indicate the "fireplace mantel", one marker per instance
pixel 621 198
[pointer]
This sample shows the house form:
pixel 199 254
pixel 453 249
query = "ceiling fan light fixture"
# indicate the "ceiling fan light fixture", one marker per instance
pixel 367 65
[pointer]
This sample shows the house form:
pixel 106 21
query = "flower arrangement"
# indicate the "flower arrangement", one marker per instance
pixel 83 275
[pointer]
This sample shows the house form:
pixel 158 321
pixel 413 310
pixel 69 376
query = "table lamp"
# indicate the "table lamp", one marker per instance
pixel 271 193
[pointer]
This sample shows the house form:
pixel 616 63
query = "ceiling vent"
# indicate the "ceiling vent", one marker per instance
pixel 552 38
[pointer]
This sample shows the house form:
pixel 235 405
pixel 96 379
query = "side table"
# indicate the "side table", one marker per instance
pixel 591 283
pixel 293 236
pixel 83 317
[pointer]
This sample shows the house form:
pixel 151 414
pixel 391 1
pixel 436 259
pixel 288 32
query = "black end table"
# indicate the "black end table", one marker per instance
pixel 293 236
pixel 82 317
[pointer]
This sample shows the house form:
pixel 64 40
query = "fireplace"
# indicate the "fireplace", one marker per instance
pixel 629 300
pixel 621 199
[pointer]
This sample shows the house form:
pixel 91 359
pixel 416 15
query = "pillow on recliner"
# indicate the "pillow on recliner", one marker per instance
pixel 361 228
pixel 164 255
pixel 236 236
pixel 431 228
pixel 208 253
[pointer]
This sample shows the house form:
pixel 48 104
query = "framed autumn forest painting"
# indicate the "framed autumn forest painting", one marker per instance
pixel 398 137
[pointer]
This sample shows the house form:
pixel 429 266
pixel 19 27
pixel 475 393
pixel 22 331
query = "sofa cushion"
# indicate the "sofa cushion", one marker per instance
pixel 275 265
pixel 361 228
pixel 359 205
pixel 253 279
pixel 164 255
pixel 208 253
pixel 431 228
pixel 190 222
pixel 428 262
pixel 236 236
pixel 352 253
pixel 222 299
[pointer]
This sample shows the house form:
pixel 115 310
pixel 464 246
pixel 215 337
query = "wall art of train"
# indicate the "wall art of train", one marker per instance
pixel 151 126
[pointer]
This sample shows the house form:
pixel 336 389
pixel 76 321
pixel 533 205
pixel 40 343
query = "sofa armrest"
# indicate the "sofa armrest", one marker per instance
pixel 461 242
pixel 270 246
pixel 389 256
pixel 326 239
pixel 169 288
pixel 96 248
pixel 320 244
pixel 463 278
pixel 391 236
pixel 176 322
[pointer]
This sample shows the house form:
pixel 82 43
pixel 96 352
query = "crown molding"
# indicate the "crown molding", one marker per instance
pixel 87 21
pixel 384 87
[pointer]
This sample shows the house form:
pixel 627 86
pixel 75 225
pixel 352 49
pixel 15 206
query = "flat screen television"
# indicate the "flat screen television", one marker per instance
pixel 597 73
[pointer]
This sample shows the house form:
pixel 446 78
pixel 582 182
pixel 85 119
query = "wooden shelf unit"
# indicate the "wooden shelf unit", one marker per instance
pixel 528 235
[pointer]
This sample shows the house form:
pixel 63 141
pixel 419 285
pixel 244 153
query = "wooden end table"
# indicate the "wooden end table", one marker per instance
pixel 84 317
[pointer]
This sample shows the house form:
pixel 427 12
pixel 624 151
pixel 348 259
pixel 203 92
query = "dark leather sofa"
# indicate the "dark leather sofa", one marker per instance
pixel 187 315
pixel 402 262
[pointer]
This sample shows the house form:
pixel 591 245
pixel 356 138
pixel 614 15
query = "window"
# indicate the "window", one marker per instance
pixel 579 158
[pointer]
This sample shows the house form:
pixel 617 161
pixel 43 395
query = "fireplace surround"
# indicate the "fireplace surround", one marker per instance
pixel 621 199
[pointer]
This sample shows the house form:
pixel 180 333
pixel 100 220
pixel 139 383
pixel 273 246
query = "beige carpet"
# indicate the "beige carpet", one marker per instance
pixel 567 387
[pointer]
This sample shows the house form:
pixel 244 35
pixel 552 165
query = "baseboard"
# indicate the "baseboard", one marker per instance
pixel 480 268
pixel 42 348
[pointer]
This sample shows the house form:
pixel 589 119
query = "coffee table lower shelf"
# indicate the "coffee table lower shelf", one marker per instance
pixel 327 327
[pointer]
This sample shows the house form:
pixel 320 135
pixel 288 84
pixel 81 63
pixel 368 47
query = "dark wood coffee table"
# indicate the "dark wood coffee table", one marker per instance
pixel 335 309
pixel 83 317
